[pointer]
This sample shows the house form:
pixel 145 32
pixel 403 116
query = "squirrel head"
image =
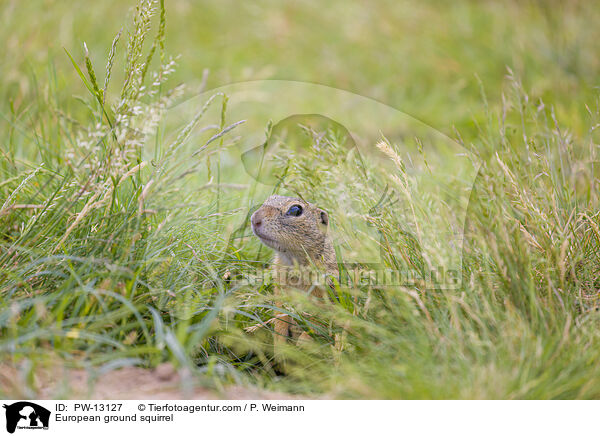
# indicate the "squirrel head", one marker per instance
pixel 292 227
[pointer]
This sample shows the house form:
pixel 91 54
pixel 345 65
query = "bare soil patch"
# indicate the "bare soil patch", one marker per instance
pixel 161 383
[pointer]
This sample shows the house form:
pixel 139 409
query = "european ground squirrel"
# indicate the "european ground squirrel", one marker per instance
pixel 298 232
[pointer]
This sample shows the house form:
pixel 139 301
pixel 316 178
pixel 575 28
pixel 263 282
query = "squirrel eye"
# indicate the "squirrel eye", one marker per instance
pixel 295 210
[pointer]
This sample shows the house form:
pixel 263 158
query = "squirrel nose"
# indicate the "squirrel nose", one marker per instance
pixel 256 220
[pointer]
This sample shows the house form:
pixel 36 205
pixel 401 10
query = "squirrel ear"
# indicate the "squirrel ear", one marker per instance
pixel 323 217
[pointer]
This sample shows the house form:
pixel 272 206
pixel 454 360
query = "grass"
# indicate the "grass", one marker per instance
pixel 123 211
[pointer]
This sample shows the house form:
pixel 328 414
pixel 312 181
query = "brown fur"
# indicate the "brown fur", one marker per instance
pixel 300 243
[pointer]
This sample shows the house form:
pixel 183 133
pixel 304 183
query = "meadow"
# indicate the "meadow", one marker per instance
pixel 137 139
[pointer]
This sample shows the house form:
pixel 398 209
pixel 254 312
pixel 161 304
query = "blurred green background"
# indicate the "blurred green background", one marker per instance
pixel 423 58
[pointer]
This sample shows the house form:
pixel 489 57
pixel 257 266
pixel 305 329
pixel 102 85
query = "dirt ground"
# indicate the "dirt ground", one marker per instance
pixel 161 383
